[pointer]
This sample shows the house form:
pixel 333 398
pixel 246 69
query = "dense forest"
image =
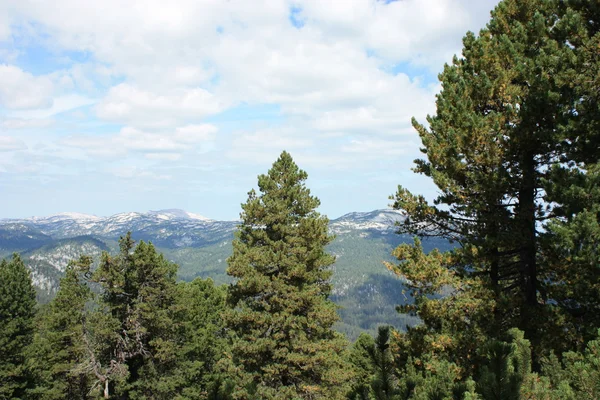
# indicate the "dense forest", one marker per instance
pixel 511 312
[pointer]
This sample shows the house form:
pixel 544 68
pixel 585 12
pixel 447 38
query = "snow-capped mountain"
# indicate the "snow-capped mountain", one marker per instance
pixel 174 213
pixel 66 216
pixel 380 220
pixel 158 225
pixel 173 227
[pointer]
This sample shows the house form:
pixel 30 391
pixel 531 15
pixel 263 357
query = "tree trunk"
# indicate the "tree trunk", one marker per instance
pixel 527 255
pixel 528 231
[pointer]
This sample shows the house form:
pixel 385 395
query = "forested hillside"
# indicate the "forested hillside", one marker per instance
pixel 501 279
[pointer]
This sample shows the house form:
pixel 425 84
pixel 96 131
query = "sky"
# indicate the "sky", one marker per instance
pixel 113 106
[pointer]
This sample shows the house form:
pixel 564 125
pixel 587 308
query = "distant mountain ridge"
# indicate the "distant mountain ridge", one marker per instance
pixel 75 224
pixel 171 213
pixel 171 228
pixel 362 285
pixel 377 219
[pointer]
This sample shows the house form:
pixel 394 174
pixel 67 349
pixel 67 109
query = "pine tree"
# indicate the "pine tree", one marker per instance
pixel 284 345
pixel 384 382
pixel 200 341
pixel 130 339
pixel 571 252
pixel 360 358
pixel 501 128
pixel 570 243
pixel 434 379
pixel 375 370
pixel 17 312
pixel 58 348
pixel 575 376
pixel 454 305
pixel 507 366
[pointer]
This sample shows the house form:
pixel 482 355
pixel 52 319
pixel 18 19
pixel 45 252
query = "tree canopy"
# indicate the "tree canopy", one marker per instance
pixel 284 345
pixel 504 150
pixel 17 312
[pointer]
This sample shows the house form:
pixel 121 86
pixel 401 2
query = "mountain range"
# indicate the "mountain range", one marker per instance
pixel 362 286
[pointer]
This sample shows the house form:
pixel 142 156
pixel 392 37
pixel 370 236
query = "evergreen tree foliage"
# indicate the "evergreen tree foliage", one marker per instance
pixel 384 382
pixel 511 313
pixel 360 358
pixel 570 243
pixel 576 377
pixel 130 339
pixel 506 367
pixel 511 118
pixel 284 345
pixel 143 337
pixel 58 347
pixel 571 250
pixel 200 341
pixel 435 380
pixel 375 370
pixel 17 312
pixel 455 307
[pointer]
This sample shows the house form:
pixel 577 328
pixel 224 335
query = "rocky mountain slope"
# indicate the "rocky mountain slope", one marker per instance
pixel 367 292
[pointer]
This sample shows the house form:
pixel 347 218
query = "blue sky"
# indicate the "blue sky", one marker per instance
pixel 108 106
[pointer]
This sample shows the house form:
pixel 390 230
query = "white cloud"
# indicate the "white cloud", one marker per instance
pixel 163 156
pixel 21 90
pixel 137 140
pixel 60 104
pixel 19 123
pixel 8 56
pixel 137 173
pixel 191 134
pixel 141 108
pixel 392 119
pixel 165 145
pixel 273 138
pixel 264 146
pixel 259 56
pixel 373 148
pixel 9 143
pixel 423 32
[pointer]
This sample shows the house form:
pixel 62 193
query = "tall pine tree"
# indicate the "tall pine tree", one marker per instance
pixel 130 339
pixel 58 348
pixel 571 242
pixel 284 345
pixel 200 341
pixel 502 127
pixel 17 312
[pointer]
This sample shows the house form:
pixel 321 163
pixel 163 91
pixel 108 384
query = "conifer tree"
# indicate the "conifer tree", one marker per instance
pixel 384 382
pixel 375 370
pixel 360 358
pixel 571 252
pixel 505 120
pixel 507 366
pixel 17 312
pixel 434 379
pixel 570 243
pixel 284 345
pixel 575 377
pixel 200 341
pixel 456 325
pixel 129 340
pixel 58 348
